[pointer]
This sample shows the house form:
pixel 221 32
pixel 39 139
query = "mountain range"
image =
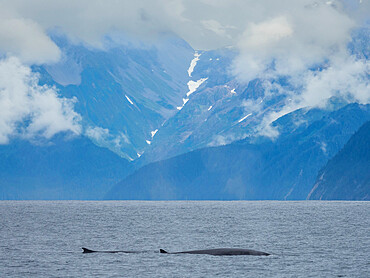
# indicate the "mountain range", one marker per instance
pixel 63 168
pixel 281 170
pixel 161 120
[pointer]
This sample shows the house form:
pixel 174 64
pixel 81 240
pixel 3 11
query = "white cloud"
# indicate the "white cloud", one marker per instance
pixel 346 78
pixel 204 24
pixel 217 28
pixel 25 39
pixel 29 110
pixel 292 42
pixel 274 38
pixel 292 35
pixel 265 33
pixel 103 137
pixel 98 134
pixel 221 140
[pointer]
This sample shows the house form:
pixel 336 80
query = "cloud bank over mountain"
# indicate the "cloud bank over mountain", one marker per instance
pixel 304 41
pixel 29 110
pixel 255 27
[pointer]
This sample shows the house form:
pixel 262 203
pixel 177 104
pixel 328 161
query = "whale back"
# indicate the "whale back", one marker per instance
pixel 85 250
pixel 222 252
pixel 215 252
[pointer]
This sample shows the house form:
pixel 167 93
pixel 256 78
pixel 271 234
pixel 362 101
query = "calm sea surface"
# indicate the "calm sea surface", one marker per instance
pixel 307 239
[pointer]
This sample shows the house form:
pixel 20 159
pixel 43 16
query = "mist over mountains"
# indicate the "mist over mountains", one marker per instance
pixel 270 116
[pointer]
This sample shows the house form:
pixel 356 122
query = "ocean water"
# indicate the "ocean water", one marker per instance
pixel 306 239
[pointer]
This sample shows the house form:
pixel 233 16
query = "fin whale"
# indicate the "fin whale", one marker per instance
pixel 85 250
pixel 214 252
pixel 221 252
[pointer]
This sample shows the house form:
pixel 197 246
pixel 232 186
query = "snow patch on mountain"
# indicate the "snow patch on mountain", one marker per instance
pixel 193 63
pixel 194 85
pixel 153 132
pixel 242 119
pixel 184 100
pixel 129 100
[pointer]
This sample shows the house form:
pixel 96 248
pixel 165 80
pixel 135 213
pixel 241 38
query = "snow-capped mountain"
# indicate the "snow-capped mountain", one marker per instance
pixel 149 102
pixel 152 101
pixel 219 111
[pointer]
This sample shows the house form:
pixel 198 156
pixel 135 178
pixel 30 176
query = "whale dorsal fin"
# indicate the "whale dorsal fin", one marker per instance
pixel 85 250
pixel 163 251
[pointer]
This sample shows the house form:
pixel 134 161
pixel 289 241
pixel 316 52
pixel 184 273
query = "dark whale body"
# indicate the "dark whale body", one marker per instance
pixel 85 250
pixel 221 252
pixel 214 252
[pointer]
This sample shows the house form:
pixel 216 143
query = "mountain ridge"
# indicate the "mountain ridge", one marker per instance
pixel 346 176
pixel 285 169
pixel 63 168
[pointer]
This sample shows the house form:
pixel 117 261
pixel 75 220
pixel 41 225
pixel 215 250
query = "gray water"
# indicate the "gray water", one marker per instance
pixel 307 239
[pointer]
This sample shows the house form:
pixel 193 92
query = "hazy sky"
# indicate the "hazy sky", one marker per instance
pixel 206 24
pixel 294 34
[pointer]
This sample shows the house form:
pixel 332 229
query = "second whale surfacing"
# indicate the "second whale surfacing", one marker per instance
pixel 221 252
pixel 85 250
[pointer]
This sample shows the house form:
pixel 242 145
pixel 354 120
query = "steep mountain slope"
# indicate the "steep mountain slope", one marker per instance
pixel 151 101
pixel 160 99
pixel 283 169
pixel 124 91
pixel 223 109
pixel 64 168
pixel 219 112
pixel 347 175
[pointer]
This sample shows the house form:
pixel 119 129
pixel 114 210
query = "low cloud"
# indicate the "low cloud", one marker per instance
pixel 259 46
pixel 221 140
pixel 303 41
pixel 205 24
pixel 346 78
pixel 293 42
pixel 28 110
pixel 25 39
pixel 103 137
pixel 98 134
